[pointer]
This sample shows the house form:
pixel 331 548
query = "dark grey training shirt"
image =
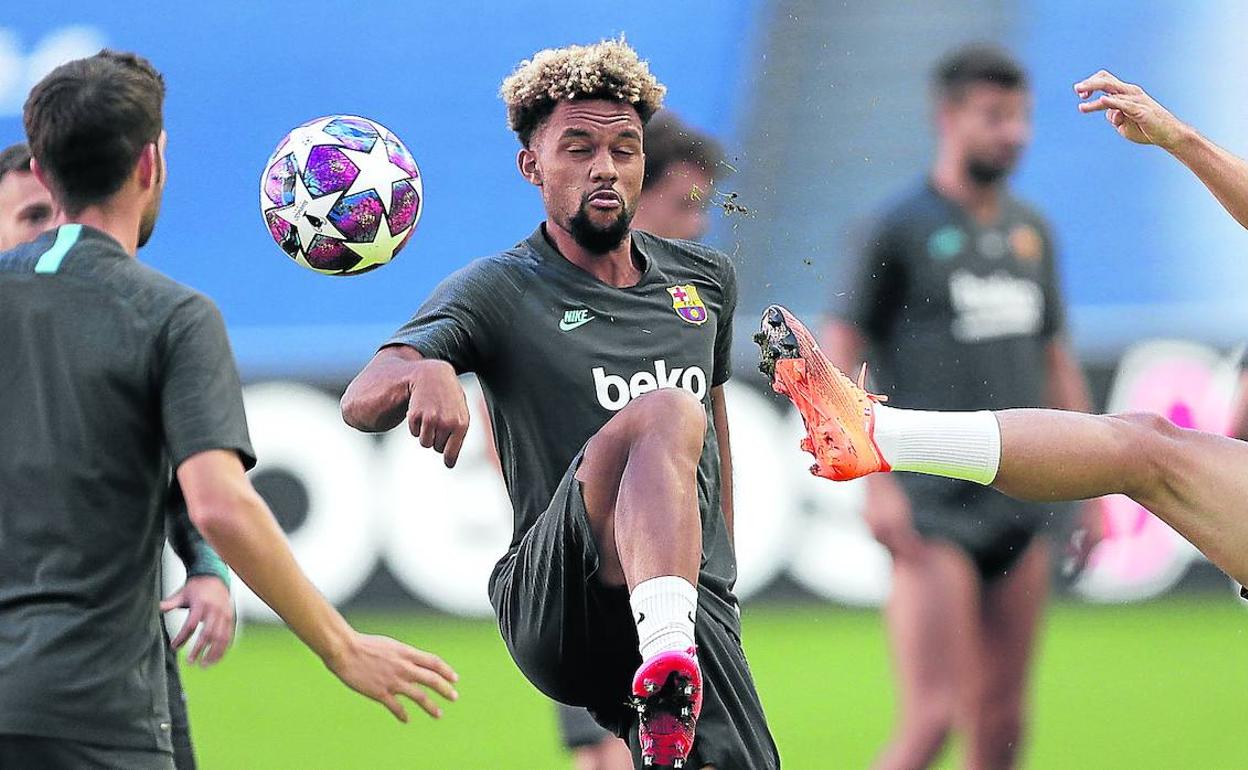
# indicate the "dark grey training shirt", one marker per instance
pixel 558 352
pixel 111 374
pixel 958 315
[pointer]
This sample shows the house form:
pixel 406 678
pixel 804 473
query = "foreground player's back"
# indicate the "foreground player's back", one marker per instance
pixel 89 421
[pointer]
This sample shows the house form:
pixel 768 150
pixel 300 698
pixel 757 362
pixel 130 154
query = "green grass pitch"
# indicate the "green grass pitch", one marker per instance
pixel 1156 685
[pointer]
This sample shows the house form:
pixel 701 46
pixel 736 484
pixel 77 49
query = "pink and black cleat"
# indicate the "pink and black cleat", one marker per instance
pixel 667 693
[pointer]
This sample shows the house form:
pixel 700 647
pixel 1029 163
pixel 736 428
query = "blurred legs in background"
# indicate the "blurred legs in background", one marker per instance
pixel 961 647
pixel 592 746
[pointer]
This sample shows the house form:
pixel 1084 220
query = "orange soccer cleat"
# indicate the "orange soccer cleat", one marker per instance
pixel 839 414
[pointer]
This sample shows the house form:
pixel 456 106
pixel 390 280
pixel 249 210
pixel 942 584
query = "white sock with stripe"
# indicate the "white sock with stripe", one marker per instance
pixel 664 609
pixel 956 445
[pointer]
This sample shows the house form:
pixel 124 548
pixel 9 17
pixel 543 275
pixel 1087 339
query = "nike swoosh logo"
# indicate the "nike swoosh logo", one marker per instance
pixel 564 326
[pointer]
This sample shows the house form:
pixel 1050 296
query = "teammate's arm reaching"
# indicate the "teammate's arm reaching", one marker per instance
pixel 206 435
pixel 1138 117
pixel 238 523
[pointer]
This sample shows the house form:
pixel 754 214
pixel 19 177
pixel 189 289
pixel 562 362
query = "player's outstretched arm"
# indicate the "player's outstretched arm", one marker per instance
pixel 1139 118
pixel 238 524
pixel 399 383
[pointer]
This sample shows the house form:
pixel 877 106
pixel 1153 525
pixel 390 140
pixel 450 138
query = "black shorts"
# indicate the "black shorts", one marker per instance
pixel 180 726
pixel 575 640
pixel 28 752
pixel 993 545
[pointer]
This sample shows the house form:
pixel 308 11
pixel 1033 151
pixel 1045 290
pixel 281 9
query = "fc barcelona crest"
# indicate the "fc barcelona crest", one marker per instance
pixel 687 304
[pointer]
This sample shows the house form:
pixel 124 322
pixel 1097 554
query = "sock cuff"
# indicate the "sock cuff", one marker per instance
pixel 666 585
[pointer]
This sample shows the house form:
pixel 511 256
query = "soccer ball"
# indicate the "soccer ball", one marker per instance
pixel 341 195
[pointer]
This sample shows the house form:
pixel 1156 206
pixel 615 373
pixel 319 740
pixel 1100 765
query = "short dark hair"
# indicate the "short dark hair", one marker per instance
pixel 89 120
pixel 976 63
pixel 14 158
pixel 669 140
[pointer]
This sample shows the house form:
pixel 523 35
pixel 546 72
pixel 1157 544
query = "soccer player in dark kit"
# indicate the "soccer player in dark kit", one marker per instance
pixel 956 292
pixel 26 211
pixel 116 377
pixel 602 353
pixel 682 165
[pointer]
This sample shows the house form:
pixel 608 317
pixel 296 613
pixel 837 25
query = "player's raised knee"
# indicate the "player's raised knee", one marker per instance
pixel 673 409
pixel 1149 423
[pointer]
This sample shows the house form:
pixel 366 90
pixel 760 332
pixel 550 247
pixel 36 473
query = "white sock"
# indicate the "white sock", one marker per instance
pixel 664 609
pixel 956 445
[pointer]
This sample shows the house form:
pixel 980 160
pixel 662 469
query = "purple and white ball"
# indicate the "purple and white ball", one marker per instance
pixel 341 195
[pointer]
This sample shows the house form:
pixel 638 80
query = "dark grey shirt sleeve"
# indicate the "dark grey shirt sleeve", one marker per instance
pixel 454 324
pixel 201 397
pixel 1054 323
pixel 192 549
pixel 723 331
pixel 875 285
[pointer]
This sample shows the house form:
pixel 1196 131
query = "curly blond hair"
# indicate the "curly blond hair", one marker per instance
pixel 609 69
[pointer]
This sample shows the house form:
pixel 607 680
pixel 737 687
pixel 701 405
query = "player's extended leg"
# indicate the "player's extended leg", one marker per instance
pixel 639 483
pixel 993 711
pixel 1195 482
pixel 931 614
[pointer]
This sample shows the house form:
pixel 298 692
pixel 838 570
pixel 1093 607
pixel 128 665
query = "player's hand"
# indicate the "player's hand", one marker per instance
pixel 1088 533
pixel 383 669
pixel 1133 113
pixel 207 600
pixel 889 517
pixel 437 411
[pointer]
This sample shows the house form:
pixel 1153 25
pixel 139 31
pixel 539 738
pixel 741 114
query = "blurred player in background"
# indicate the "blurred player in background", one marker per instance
pixel 602 352
pixel 682 165
pixel 26 207
pixel 114 376
pixel 958 296
pixel 26 211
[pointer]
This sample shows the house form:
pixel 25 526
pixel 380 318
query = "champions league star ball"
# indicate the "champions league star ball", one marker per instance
pixel 341 195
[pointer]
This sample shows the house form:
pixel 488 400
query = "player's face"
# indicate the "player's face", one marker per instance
pixel 990 127
pixel 588 160
pixel 675 205
pixel 152 210
pixel 26 209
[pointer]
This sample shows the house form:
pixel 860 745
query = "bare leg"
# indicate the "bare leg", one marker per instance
pixel 640 484
pixel 995 696
pixel 932 619
pixel 1195 482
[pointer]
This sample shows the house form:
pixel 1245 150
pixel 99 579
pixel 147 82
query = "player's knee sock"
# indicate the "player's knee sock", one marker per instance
pixel 664 609
pixel 956 445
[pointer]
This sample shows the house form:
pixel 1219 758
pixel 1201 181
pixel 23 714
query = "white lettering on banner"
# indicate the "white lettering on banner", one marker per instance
pixel 994 306
pixel 614 392
pixel 440 531
pixel 19 73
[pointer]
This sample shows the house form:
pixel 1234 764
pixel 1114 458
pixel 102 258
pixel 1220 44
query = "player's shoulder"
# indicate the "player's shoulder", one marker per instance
pixel 1029 212
pixel 497 272
pixel 690 253
pixel 21 258
pixel 917 200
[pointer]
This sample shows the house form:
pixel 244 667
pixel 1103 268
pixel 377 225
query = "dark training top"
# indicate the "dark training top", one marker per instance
pixel 559 352
pixel 112 374
pixel 959 316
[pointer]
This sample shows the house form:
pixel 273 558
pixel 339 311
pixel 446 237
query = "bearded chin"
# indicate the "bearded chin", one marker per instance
pixel 985 173
pixel 597 239
pixel 148 223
